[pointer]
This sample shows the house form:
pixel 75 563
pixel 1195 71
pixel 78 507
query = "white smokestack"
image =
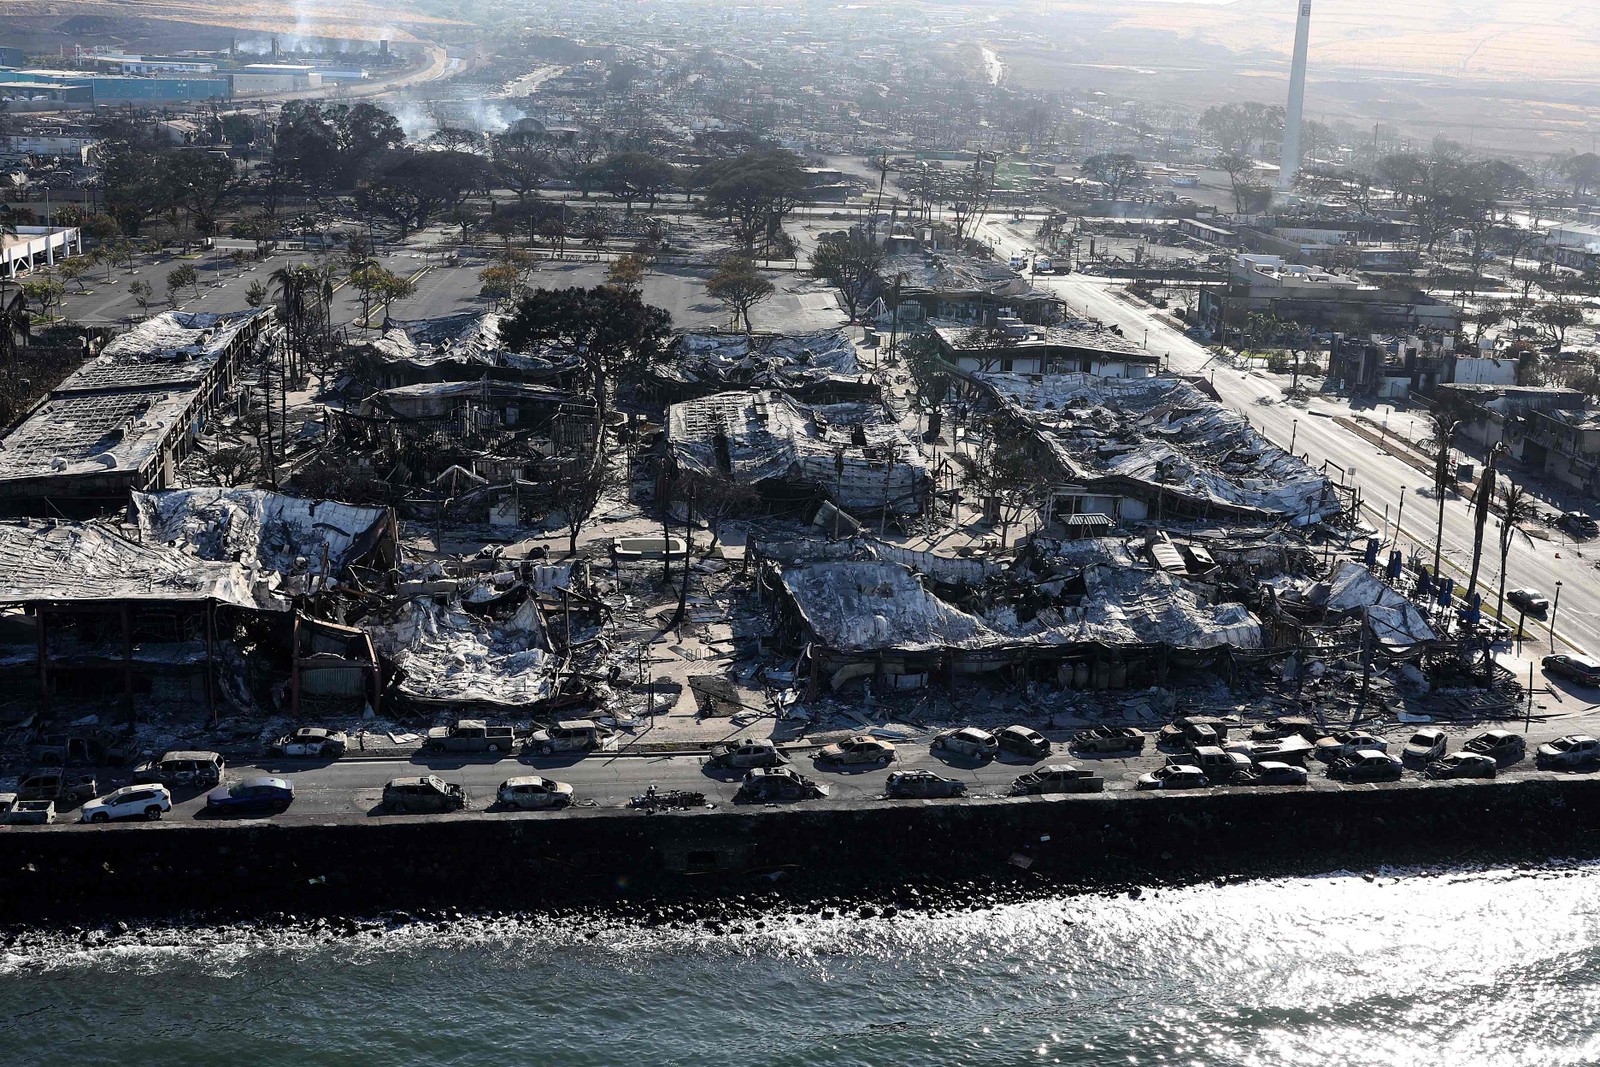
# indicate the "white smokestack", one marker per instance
pixel 1297 98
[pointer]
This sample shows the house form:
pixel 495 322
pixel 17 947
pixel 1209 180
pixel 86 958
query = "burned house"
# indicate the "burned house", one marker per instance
pixel 480 641
pixel 124 420
pixel 1011 346
pixel 91 616
pixel 1096 604
pixel 818 368
pixel 453 348
pixel 1156 449
pixel 495 436
pixel 961 288
pixel 296 547
pixel 796 455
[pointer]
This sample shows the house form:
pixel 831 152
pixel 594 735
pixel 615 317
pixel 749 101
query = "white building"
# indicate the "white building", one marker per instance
pixel 37 246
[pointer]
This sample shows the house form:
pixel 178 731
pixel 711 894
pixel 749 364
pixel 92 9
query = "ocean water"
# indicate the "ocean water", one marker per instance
pixel 1473 967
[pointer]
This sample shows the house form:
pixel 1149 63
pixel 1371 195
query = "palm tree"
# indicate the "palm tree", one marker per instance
pixel 1517 509
pixel 1443 425
pixel 1482 502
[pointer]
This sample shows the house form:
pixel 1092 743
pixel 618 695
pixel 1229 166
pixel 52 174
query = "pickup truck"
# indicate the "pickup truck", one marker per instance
pixel 470 735
pixel 1109 739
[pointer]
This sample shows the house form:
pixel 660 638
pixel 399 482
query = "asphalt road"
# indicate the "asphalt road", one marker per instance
pixel 1384 478
pixel 353 787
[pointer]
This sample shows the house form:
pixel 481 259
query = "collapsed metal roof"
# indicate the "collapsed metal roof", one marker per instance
pixel 468 337
pixel 868 606
pixel 767 435
pixel 1167 434
pixel 265 532
pixel 741 358
pixel 64 562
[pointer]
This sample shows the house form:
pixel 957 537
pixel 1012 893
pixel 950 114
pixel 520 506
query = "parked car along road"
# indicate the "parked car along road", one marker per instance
pixel 1571 752
pixel 59 786
pixel 1059 778
pixel 1462 765
pixel 1024 741
pixel 766 785
pixel 1271 773
pixel 743 755
pixel 573 735
pixel 203 769
pixel 251 796
pixel 429 793
pixel 1367 766
pixel 1424 747
pixel 130 802
pixel 311 742
pixel 1503 746
pixel 1529 601
pixel 533 793
pixel 1580 669
pixel 1120 739
pixel 857 751
pixel 1173 776
pixel 1348 743
pixel 922 785
pixel 967 741
pixel 471 735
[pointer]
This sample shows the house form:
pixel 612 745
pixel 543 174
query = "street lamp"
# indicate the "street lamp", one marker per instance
pixel 1555 607
pixel 1294 434
pixel 1400 514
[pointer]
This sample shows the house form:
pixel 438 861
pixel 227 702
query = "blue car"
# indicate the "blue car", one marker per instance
pixel 251 795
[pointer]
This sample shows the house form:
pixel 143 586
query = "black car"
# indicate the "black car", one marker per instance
pixel 1502 746
pixel 922 785
pixel 1580 669
pixel 1578 524
pixel 1366 767
pixel 1462 765
pixel 766 785
pixel 1024 741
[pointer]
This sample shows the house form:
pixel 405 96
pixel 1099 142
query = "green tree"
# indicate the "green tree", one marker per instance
pixel 753 193
pixel 1117 171
pixel 738 286
pixel 178 278
pixel 142 294
pixel 1517 510
pixel 611 331
pixel 849 262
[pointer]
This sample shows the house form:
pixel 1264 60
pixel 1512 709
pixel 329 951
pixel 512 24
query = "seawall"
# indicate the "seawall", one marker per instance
pixel 367 865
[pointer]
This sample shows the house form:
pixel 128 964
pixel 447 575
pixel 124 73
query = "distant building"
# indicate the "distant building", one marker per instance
pixel 1014 347
pixel 1563 444
pixel 274 78
pixel 32 247
pixel 1319 299
pixel 121 88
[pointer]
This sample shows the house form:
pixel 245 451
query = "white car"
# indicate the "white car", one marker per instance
pixel 1574 750
pixel 1424 747
pixel 130 802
